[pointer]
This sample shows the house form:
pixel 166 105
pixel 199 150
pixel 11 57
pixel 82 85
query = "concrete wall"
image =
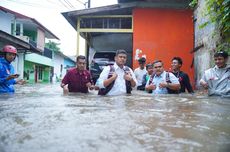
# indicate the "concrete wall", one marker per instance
pixel 162 34
pixel 203 58
pixel 40 39
pixel 58 60
pixel 5 21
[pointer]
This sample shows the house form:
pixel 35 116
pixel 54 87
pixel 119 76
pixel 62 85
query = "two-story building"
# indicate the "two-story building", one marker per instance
pixel 34 63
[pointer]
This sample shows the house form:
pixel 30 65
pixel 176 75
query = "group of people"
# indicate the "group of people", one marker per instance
pixel 119 79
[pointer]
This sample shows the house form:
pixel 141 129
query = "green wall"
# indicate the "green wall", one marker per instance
pixel 29 72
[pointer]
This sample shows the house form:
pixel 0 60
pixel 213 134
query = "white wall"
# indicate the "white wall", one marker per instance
pixel 57 61
pixel 18 65
pixel 5 21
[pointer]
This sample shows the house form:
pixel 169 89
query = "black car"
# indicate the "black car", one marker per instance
pixel 100 60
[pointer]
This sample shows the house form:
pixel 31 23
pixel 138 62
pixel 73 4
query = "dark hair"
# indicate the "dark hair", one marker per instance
pixel 121 52
pixel 178 59
pixel 81 57
pixel 149 65
pixel 142 60
pixel 221 54
pixel 157 61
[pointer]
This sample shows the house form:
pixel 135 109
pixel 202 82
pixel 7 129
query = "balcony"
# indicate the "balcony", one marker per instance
pixel 34 44
pixel 24 38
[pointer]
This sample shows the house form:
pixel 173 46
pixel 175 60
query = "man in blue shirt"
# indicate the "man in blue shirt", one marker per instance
pixel 161 81
pixel 7 76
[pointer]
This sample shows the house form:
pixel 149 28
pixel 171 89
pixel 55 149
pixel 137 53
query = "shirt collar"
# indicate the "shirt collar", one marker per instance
pixel 161 75
pixel 225 68
pixel 116 66
pixel 78 72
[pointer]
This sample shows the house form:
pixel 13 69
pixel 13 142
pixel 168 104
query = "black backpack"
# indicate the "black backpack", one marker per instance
pixel 104 91
pixel 170 91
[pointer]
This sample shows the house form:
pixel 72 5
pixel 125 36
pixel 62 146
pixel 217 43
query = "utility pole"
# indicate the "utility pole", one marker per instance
pixel 88 3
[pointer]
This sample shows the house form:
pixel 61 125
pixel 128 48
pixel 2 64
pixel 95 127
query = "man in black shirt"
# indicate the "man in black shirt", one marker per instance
pixel 182 77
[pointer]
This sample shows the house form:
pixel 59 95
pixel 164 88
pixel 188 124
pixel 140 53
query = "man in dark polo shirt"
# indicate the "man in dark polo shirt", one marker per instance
pixel 78 79
pixel 182 77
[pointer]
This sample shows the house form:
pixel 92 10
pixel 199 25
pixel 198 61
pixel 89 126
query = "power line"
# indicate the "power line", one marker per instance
pixel 81 2
pixel 68 3
pixel 63 4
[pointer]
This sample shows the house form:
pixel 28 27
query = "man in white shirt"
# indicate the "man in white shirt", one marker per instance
pixel 217 79
pixel 140 72
pixel 115 79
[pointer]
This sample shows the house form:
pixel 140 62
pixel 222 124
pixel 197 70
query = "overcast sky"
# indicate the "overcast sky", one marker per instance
pixel 48 13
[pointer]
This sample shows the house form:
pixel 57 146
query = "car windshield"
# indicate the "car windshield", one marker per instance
pixel 109 56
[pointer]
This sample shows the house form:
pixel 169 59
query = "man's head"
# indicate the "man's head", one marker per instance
pixel 10 52
pixel 158 67
pixel 81 62
pixel 149 68
pixel 221 59
pixel 121 57
pixel 176 63
pixel 141 62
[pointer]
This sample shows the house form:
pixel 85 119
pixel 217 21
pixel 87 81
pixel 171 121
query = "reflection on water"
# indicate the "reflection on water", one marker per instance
pixel 39 118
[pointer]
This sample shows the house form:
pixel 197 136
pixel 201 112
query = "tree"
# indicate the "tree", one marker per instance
pixel 219 14
pixel 53 46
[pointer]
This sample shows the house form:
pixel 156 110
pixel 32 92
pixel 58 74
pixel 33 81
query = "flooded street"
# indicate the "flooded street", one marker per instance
pixel 40 119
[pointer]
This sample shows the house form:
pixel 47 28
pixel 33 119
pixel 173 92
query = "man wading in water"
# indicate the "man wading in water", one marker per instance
pixel 117 79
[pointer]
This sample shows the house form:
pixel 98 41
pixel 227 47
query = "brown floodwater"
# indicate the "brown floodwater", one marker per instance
pixel 39 118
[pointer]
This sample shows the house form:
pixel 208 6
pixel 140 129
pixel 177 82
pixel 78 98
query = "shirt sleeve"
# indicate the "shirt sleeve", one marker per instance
pixel 65 80
pixel 203 78
pixel 173 79
pixel 103 76
pixel 4 75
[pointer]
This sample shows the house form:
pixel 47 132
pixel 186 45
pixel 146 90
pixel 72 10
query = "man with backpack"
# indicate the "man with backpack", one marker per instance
pixel 117 79
pixel 182 76
pixel 162 82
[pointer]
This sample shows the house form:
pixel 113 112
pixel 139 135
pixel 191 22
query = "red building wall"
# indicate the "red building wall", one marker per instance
pixel 163 34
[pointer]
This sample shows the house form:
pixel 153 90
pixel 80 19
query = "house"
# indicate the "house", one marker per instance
pixel 155 29
pixel 62 64
pixel 34 62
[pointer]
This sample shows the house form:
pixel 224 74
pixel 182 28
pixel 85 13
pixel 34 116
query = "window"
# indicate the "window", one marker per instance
pixel 106 23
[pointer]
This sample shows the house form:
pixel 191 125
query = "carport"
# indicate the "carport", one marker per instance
pixel 104 28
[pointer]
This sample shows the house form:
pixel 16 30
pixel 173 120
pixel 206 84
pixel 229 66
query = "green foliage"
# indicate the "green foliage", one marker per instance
pixel 193 3
pixel 53 46
pixel 218 12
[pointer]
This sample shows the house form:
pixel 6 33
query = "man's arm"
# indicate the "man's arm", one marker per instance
pixel 103 81
pixel 203 81
pixel 174 85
